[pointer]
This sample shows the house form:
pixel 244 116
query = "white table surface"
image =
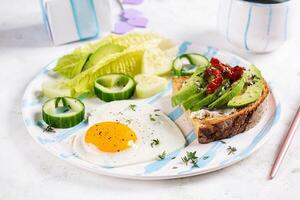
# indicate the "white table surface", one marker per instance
pixel 28 172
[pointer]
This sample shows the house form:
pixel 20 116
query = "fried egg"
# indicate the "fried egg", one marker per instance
pixel 127 132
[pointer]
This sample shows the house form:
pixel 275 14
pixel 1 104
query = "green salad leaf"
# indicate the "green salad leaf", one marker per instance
pixel 101 53
pixel 131 54
pixel 130 39
pixel 128 62
pixel 70 65
pixel 87 48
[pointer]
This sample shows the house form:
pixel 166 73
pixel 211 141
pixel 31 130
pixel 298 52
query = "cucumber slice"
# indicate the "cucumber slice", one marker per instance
pixel 187 64
pixel 63 112
pixel 149 85
pixel 197 59
pixel 182 67
pixel 113 87
pixel 158 58
pixel 100 53
pixel 56 89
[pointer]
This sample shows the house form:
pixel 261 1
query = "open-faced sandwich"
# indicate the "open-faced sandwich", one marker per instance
pixel 219 100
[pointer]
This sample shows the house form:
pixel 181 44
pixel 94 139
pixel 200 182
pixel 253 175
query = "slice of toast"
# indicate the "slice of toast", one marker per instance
pixel 221 127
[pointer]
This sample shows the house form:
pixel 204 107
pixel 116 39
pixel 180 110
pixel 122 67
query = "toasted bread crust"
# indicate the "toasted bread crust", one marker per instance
pixel 217 128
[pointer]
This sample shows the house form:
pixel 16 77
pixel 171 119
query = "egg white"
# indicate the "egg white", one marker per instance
pixel 160 127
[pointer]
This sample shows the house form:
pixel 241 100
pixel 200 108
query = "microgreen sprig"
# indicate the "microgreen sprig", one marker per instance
pixel 162 156
pixel 154 142
pixel 49 129
pixel 152 118
pixel 190 158
pixel 231 150
pixel 132 107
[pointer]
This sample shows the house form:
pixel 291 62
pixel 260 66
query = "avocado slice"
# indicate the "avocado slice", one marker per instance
pixel 235 89
pixel 255 71
pixel 183 94
pixel 192 100
pixel 251 94
pixel 193 86
pixel 199 72
pixel 252 91
pixel 211 97
pixel 100 53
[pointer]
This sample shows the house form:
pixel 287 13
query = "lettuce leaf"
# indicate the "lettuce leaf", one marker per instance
pixel 101 53
pixel 70 65
pixel 141 51
pixel 127 62
pixel 128 40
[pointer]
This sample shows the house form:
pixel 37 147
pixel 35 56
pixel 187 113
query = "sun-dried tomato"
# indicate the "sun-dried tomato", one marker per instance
pixel 213 71
pixel 214 84
pixel 220 71
pixel 236 73
pixel 233 73
pixel 215 62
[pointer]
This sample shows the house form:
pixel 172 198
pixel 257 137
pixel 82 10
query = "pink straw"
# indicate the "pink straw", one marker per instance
pixel 285 144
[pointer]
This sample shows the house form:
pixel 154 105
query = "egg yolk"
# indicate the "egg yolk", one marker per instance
pixel 110 136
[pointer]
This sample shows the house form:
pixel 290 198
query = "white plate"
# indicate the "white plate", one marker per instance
pixel 212 156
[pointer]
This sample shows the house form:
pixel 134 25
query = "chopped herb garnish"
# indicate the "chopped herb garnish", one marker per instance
pixel 87 117
pixel 162 156
pixel 173 158
pixel 190 158
pixel 156 110
pixel 152 118
pixel 49 129
pixel 132 107
pixel 231 150
pixel 185 160
pixel 128 121
pixel 154 142
pixel 205 157
pixel 223 142
pixel 195 165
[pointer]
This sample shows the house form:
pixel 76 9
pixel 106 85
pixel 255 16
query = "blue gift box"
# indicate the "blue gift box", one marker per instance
pixel 72 20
